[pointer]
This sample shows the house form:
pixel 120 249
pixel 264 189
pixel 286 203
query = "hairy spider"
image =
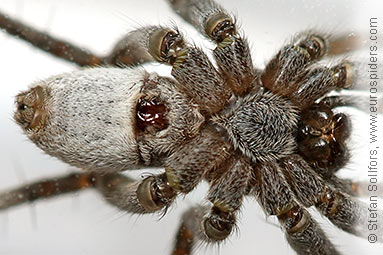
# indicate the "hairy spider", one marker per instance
pixel 21 106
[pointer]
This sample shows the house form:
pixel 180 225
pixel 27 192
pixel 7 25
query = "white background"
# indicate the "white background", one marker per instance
pixel 83 223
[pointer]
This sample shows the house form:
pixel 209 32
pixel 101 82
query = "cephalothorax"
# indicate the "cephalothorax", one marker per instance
pixel 271 134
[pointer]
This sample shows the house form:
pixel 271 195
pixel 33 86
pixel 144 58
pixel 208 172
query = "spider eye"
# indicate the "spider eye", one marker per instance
pixel 151 114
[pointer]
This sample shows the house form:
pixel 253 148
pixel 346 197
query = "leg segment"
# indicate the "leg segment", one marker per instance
pixel 352 216
pixel 274 195
pixel 344 212
pixel 356 188
pixel 227 191
pixel 190 231
pixel 291 60
pixel 217 224
pixel 232 53
pixel 146 196
pixel 304 234
pixel 196 75
pixel 200 225
pixel 303 181
pixel 186 167
pixel 130 51
pixel 360 102
pixel 45 42
pixel 312 84
pixel 127 51
pixel 226 194
pixel 46 189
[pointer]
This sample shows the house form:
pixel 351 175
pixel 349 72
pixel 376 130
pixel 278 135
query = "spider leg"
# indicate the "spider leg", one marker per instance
pixel 344 212
pixel 227 191
pixel 350 215
pixel 45 42
pixel 343 44
pixel 302 232
pixel 213 224
pixel 314 83
pixel 146 196
pixel 196 75
pixel 226 194
pixel 291 60
pixel 356 188
pixel 190 231
pixel 232 53
pixel 360 102
pixel 189 164
pixel 288 74
pixel 46 189
pixel 125 53
pixel 339 101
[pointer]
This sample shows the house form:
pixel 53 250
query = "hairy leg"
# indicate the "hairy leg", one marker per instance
pixel 349 214
pixel 343 211
pixel 214 224
pixel 196 75
pixel 227 189
pixel 274 194
pixel 311 84
pixel 232 53
pixel 146 196
pixel 291 60
pixel 189 164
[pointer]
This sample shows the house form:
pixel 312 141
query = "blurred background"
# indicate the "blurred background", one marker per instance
pixel 83 223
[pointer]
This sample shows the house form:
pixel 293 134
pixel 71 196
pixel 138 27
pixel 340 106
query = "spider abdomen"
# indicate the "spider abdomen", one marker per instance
pixel 261 125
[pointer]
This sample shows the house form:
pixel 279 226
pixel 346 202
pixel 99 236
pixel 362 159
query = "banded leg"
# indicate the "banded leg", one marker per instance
pixel 275 196
pixel 125 53
pixel 226 193
pixel 232 53
pixel 146 196
pixel 350 215
pixel 304 234
pixel 344 212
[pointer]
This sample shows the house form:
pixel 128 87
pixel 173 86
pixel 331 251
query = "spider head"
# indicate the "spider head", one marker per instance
pixel 30 108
